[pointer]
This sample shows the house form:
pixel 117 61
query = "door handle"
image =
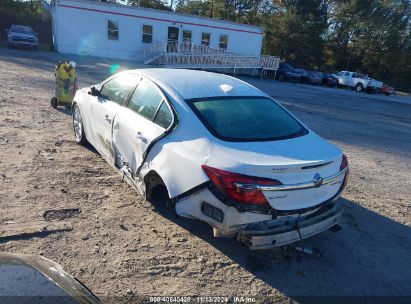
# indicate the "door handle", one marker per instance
pixel 140 137
pixel 108 118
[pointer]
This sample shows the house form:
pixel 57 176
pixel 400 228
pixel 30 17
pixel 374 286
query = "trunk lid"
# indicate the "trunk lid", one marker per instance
pixel 292 161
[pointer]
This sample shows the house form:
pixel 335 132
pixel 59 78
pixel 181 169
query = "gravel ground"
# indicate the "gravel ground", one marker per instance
pixel 121 245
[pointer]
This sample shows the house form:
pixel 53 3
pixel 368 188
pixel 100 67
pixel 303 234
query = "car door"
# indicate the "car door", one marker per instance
pixel 146 117
pixel 113 94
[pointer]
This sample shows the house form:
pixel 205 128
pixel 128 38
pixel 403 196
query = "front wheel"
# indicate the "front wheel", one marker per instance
pixel 78 127
pixel 281 77
pixel 359 87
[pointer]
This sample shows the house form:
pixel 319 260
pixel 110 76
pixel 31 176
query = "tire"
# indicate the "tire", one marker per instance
pixel 78 127
pixel 281 78
pixel 157 194
pixel 54 103
pixel 387 94
pixel 359 87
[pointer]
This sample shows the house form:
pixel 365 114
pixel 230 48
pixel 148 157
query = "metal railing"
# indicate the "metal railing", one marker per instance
pixel 189 55
pixel 204 61
pixel 154 50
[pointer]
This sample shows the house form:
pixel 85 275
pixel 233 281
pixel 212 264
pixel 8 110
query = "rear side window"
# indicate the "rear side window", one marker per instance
pixel 247 119
pixel 145 99
pixel 117 89
pixel 163 118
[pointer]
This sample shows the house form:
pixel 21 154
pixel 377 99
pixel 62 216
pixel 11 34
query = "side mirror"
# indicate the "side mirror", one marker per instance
pixel 37 34
pixel 93 91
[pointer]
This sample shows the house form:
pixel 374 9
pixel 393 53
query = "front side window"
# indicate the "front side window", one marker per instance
pixel 285 66
pixel 117 89
pixel 246 119
pixel 113 29
pixel 223 42
pixel 147 34
pixel 145 99
pixel 205 39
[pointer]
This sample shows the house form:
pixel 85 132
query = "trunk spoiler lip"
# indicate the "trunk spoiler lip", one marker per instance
pixel 316 183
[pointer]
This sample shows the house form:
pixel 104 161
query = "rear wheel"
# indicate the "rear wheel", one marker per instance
pixel 359 87
pixel 157 193
pixel 281 77
pixel 54 103
pixel 79 134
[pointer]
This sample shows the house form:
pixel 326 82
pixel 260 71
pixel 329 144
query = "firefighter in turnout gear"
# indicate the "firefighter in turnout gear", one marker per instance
pixel 66 84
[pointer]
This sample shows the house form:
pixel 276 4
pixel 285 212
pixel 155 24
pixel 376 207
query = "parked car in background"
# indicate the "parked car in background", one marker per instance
pixel 386 89
pixel 19 35
pixel 329 80
pixel 314 77
pixel 358 82
pixel 209 142
pixel 286 72
pixel 304 75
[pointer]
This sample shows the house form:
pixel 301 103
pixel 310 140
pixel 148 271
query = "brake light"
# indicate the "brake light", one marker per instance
pixel 344 162
pixel 238 187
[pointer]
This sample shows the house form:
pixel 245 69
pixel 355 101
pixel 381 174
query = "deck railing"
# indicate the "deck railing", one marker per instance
pixel 189 55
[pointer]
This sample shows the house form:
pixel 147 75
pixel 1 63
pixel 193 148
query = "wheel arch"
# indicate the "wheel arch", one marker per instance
pixel 152 179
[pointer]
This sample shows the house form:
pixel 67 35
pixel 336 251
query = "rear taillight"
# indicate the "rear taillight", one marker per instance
pixel 344 164
pixel 238 187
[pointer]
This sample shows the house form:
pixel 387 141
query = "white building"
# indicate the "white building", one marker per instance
pixel 117 31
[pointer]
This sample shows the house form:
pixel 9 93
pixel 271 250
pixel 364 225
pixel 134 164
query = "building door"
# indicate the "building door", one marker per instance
pixel 172 45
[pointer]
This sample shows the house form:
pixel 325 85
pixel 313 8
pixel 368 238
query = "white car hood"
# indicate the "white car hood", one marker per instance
pixel 22 35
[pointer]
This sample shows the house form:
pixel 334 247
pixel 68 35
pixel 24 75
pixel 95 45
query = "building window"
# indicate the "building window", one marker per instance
pixel 112 33
pixel 205 39
pixel 223 42
pixel 187 36
pixel 147 34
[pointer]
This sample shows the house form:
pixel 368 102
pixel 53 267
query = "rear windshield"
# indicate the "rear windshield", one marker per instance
pixel 246 119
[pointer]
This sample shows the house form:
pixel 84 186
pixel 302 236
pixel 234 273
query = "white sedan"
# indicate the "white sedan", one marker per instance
pixel 225 152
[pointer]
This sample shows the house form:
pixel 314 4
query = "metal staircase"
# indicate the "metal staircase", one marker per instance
pixel 187 55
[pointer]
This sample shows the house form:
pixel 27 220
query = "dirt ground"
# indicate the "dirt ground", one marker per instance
pixel 121 245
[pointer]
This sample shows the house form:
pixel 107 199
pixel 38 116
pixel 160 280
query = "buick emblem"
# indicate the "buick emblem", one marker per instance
pixel 318 180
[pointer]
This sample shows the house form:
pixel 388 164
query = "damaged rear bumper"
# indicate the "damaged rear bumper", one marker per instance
pixel 289 229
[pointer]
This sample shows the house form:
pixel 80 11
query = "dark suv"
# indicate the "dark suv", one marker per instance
pixel 286 72
pixel 19 35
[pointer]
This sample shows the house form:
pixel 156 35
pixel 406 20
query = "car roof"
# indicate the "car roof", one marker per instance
pixel 190 84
